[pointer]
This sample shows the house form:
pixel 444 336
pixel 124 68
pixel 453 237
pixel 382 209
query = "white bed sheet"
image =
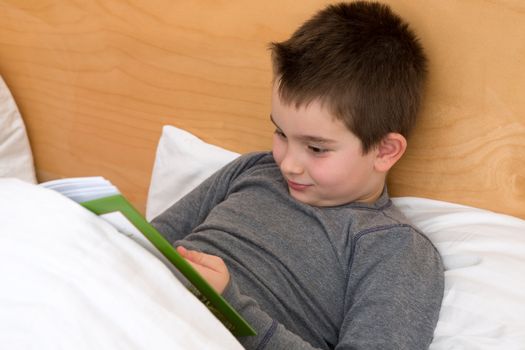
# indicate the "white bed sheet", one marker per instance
pixel 70 280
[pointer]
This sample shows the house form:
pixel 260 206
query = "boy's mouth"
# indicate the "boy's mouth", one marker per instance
pixel 297 186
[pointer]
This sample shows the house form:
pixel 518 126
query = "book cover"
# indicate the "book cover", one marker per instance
pixel 104 199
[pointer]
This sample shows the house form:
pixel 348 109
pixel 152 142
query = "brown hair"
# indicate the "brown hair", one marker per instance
pixel 359 59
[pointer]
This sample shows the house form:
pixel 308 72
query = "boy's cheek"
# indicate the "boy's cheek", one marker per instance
pixel 277 150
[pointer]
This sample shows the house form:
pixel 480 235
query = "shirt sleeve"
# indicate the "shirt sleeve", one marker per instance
pixel 270 333
pixel 184 216
pixel 395 288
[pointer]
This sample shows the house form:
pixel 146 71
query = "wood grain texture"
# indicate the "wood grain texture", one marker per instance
pixel 469 146
pixel 96 80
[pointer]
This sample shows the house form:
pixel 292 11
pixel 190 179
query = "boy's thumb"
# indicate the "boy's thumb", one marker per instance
pixel 202 259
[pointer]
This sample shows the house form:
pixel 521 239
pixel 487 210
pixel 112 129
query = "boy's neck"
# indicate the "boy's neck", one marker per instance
pixel 373 196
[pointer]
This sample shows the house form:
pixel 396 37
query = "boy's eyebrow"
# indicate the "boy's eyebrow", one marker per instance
pixel 273 121
pixel 307 138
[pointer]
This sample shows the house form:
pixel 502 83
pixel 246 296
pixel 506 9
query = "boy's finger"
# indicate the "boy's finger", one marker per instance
pixel 189 254
pixel 203 259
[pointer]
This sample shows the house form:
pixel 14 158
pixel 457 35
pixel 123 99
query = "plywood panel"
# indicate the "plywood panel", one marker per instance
pixel 95 82
pixel 470 144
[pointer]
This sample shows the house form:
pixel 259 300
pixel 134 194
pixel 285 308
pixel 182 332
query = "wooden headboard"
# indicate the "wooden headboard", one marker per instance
pixel 96 80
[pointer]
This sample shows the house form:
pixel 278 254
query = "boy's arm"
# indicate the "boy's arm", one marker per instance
pixel 181 218
pixel 396 303
pixel 271 335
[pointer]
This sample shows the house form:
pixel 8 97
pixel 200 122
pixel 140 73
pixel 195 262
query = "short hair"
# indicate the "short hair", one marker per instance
pixel 362 61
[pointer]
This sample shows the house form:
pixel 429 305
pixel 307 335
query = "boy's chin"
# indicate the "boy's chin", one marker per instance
pixel 309 199
pixel 301 197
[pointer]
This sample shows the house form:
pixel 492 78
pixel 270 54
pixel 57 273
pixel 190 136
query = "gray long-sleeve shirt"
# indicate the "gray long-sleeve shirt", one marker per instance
pixel 356 276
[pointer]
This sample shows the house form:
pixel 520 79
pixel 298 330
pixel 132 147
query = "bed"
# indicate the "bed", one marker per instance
pixel 156 95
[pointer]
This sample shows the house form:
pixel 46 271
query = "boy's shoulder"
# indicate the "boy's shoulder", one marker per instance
pixel 249 164
pixel 259 157
pixel 250 160
pixel 389 218
pixel 380 215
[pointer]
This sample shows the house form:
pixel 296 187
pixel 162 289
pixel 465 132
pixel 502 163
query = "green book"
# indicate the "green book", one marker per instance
pixel 104 199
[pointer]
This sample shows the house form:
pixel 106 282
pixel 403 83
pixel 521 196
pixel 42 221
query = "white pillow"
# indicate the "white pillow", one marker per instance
pixel 484 257
pixel 182 162
pixel 483 252
pixel 16 159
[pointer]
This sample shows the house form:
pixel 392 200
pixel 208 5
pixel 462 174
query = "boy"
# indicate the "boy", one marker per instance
pixel 304 242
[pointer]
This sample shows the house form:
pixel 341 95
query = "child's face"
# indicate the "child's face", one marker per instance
pixel 320 158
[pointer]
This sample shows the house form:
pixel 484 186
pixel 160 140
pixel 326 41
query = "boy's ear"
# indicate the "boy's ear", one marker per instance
pixel 389 150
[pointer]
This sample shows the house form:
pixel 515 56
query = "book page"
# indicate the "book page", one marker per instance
pixel 82 189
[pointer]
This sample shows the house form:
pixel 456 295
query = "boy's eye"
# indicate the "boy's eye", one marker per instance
pixel 279 133
pixel 317 150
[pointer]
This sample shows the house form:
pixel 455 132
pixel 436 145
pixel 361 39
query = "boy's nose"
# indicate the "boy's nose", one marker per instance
pixel 291 165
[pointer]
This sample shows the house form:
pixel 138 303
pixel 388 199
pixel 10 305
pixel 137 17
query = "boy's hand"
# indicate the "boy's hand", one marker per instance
pixel 211 267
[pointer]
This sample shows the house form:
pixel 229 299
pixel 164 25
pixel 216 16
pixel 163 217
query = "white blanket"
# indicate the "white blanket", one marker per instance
pixel 69 280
